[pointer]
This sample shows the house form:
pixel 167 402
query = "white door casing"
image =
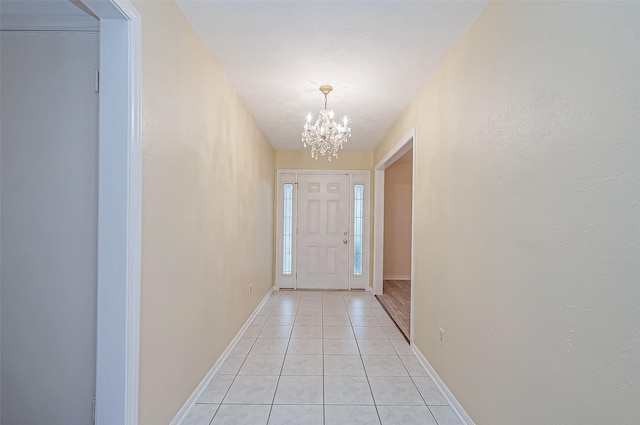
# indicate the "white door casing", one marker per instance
pixel 290 214
pixel 323 230
pixel 403 146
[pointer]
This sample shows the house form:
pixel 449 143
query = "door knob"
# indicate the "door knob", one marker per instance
pixel 344 241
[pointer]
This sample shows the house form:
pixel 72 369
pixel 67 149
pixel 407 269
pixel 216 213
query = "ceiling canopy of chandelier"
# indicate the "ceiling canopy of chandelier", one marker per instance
pixel 325 136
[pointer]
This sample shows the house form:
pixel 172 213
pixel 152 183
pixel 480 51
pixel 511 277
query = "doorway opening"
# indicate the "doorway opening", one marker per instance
pixel 396 265
pixel 393 234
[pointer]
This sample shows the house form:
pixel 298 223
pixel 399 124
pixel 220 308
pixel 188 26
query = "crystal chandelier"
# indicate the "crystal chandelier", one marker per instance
pixel 325 136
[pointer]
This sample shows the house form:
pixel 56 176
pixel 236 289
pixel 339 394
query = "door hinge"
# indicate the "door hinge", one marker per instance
pixel 93 409
pixel 96 81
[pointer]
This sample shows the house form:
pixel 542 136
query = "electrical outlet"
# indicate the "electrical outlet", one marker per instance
pixel 250 287
pixel 441 336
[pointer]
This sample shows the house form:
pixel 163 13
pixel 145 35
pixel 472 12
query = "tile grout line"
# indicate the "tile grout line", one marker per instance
pixel 419 392
pixel 278 382
pixel 375 405
pixel 323 353
pixel 237 373
pixel 231 384
pixel 234 377
pixel 280 374
pixel 324 416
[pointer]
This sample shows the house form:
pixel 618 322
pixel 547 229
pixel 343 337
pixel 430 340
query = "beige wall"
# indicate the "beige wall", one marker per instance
pixel 347 160
pixel 397 220
pixel 527 214
pixel 208 178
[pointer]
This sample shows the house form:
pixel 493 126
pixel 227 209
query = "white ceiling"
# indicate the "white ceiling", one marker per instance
pixel 376 55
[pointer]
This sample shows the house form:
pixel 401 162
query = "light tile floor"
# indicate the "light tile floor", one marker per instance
pixel 321 358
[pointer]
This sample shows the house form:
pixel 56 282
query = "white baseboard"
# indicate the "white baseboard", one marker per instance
pixel 457 407
pixel 182 413
pixel 397 277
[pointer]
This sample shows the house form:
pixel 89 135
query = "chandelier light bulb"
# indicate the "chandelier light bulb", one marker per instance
pixel 325 136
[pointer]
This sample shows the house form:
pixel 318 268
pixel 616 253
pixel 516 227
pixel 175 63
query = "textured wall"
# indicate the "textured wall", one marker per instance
pixel 208 189
pixel 347 160
pixel 526 214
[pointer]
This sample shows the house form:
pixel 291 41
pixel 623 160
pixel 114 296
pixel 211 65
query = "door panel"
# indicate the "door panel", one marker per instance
pixel 49 201
pixel 323 220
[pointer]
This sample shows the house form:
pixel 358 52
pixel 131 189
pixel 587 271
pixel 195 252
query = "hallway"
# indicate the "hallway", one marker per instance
pixel 146 256
pixel 313 358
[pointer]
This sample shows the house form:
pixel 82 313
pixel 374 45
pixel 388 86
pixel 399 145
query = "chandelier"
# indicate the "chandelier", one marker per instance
pixel 325 136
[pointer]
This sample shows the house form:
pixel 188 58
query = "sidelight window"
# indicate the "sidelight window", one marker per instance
pixel 287 227
pixel 358 227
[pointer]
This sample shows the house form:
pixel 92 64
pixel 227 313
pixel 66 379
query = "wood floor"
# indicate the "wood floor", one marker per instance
pixel 396 299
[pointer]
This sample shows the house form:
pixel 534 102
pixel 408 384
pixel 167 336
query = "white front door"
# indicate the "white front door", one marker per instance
pixel 323 231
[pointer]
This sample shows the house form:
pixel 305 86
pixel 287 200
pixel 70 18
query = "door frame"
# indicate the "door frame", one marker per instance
pixel 403 146
pixel 119 211
pixel 355 177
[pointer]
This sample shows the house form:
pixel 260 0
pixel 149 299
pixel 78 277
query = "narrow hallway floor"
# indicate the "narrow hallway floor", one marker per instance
pixel 322 358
